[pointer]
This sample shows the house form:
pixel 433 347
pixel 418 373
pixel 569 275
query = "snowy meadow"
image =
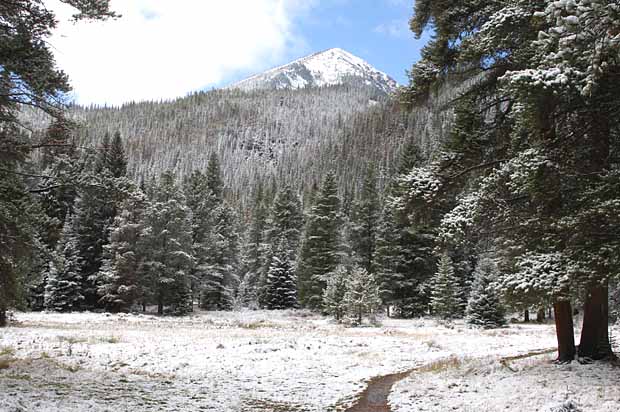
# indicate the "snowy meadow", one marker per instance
pixel 284 361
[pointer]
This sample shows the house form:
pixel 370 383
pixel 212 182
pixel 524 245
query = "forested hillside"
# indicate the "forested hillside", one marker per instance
pixel 271 136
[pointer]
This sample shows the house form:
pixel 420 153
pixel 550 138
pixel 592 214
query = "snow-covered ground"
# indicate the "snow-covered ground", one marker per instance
pixel 279 361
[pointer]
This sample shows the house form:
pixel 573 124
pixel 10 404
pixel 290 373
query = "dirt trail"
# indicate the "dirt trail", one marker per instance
pixel 375 396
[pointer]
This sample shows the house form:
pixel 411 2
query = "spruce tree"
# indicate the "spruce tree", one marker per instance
pixel 361 295
pixel 166 245
pixel 387 258
pixel 320 249
pixel 218 261
pixel 281 288
pixel 415 212
pixel 365 222
pixel 333 295
pixel 119 280
pixel 117 160
pixel 63 291
pixel 103 187
pixel 214 182
pixel 202 205
pixel 286 221
pixel 445 297
pixel 255 251
pixel 484 307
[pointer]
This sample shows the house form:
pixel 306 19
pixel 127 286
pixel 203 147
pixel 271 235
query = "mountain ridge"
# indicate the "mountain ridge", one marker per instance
pixel 329 67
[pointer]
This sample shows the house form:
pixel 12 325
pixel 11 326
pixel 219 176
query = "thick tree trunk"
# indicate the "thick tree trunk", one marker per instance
pixel 3 317
pixel 526 315
pixel 595 342
pixel 564 331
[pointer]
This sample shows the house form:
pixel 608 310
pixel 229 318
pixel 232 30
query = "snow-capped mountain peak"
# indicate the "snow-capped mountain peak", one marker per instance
pixel 326 68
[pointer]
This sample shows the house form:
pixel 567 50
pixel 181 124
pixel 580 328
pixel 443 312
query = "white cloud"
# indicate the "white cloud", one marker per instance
pixel 394 28
pixel 162 49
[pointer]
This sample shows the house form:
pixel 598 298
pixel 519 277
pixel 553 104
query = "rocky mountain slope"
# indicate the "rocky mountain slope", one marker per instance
pixel 327 68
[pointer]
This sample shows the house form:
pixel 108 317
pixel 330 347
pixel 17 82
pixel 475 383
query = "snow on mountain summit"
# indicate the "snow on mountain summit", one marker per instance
pixel 326 68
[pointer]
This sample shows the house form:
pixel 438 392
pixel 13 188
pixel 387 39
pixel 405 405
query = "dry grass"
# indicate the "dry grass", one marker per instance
pixel 432 344
pixel 441 365
pixel 72 339
pixel 6 363
pixel 106 339
pixel 260 324
pixel 6 350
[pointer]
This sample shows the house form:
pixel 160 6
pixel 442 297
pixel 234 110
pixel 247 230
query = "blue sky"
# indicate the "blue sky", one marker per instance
pixel 163 49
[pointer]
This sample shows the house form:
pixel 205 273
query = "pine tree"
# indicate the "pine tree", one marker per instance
pixel 63 166
pixel 281 285
pixel 215 184
pixel 166 244
pixel 104 187
pixel 218 262
pixel 365 222
pixel 119 280
pixel 117 160
pixel 16 233
pixel 445 299
pixel 320 249
pixel 202 205
pixel 333 295
pixel 29 78
pixel 414 212
pixel 286 221
pixel 361 296
pixel 255 251
pixel 387 258
pixel 484 307
pixel 63 292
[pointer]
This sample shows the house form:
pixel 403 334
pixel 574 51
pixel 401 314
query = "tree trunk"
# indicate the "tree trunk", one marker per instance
pixel 3 317
pixel 564 331
pixel 526 315
pixel 595 343
pixel 540 315
pixel 160 303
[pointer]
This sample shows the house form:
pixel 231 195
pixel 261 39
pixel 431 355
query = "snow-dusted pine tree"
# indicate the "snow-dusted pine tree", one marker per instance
pixel 361 296
pixel 119 281
pixel 365 222
pixel 254 254
pixel 281 285
pixel 445 300
pixel 218 259
pixel 63 292
pixel 333 296
pixel 286 221
pixel 166 245
pixel 484 307
pixel 320 249
pixel 387 258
